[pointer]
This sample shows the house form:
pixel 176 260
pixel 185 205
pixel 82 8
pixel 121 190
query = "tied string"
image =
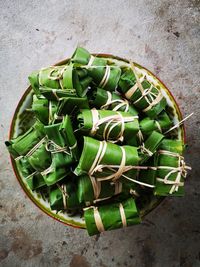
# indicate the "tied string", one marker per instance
pixel 118 170
pixel 54 148
pixel 151 98
pixel 105 78
pixel 98 220
pixel 181 171
pixel 58 77
pixel 43 140
pixel 96 185
pixel 146 150
pixel 158 126
pixel 63 190
pixel 122 214
pixel 122 103
pixel 115 120
pixel 179 123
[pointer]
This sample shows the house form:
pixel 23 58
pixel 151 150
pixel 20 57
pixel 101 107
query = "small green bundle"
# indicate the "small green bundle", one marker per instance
pixel 101 143
pixel 111 216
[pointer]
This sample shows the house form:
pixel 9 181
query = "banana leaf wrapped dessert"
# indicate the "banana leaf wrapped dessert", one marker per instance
pixel 108 125
pixel 90 190
pixel 108 161
pixel 101 141
pixel 103 75
pixel 171 169
pixel 71 105
pixel 144 95
pixel 103 99
pixel 64 78
pixel 111 216
pixel 63 196
pixel 32 177
pixel 24 143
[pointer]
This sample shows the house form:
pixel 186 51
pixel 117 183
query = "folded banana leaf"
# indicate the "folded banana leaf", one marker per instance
pixel 103 99
pixel 40 107
pixel 90 190
pixel 161 124
pixel 103 75
pixel 142 93
pixel 69 105
pixel 39 158
pixel 62 139
pixel 149 147
pixel 56 94
pixel 59 168
pixel 148 175
pixel 107 161
pixel 171 169
pixel 63 196
pixel 108 125
pixel 63 77
pixel 67 133
pixel 80 56
pixel 111 216
pixel 35 181
pixel 24 143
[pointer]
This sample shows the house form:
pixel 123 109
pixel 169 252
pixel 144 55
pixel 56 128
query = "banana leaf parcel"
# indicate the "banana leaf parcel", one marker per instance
pixel 144 95
pixel 107 161
pixel 111 216
pixel 103 75
pixel 103 99
pixel 100 141
pixel 108 125
pixel 90 190
pixel 171 169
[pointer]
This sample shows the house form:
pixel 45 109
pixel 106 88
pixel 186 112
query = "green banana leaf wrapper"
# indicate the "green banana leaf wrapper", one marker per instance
pixel 150 146
pixel 128 80
pixel 40 158
pixel 63 196
pixel 33 178
pixel 109 130
pixel 62 134
pixel 111 216
pixel 91 191
pixel 103 99
pixel 63 147
pixel 24 143
pixel 44 109
pixel 69 105
pixel 59 168
pixel 103 75
pixel 161 124
pixel 63 77
pixel 171 162
pixel 148 176
pixel 56 94
pixel 40 107
pixel 113 156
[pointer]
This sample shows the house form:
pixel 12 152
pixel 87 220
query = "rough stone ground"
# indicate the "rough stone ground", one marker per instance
pixel 162 35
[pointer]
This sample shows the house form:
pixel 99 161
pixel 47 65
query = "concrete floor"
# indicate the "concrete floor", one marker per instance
pixel 161 35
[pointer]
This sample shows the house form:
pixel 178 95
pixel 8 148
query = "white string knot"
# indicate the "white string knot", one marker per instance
pixel 145 150
pixel 151 98
pixel 122 102
pixel 181 171
pixel 115 120
pixel 54 148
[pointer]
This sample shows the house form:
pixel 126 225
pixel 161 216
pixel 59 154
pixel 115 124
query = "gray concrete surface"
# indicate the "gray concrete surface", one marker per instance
pixel 162 35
